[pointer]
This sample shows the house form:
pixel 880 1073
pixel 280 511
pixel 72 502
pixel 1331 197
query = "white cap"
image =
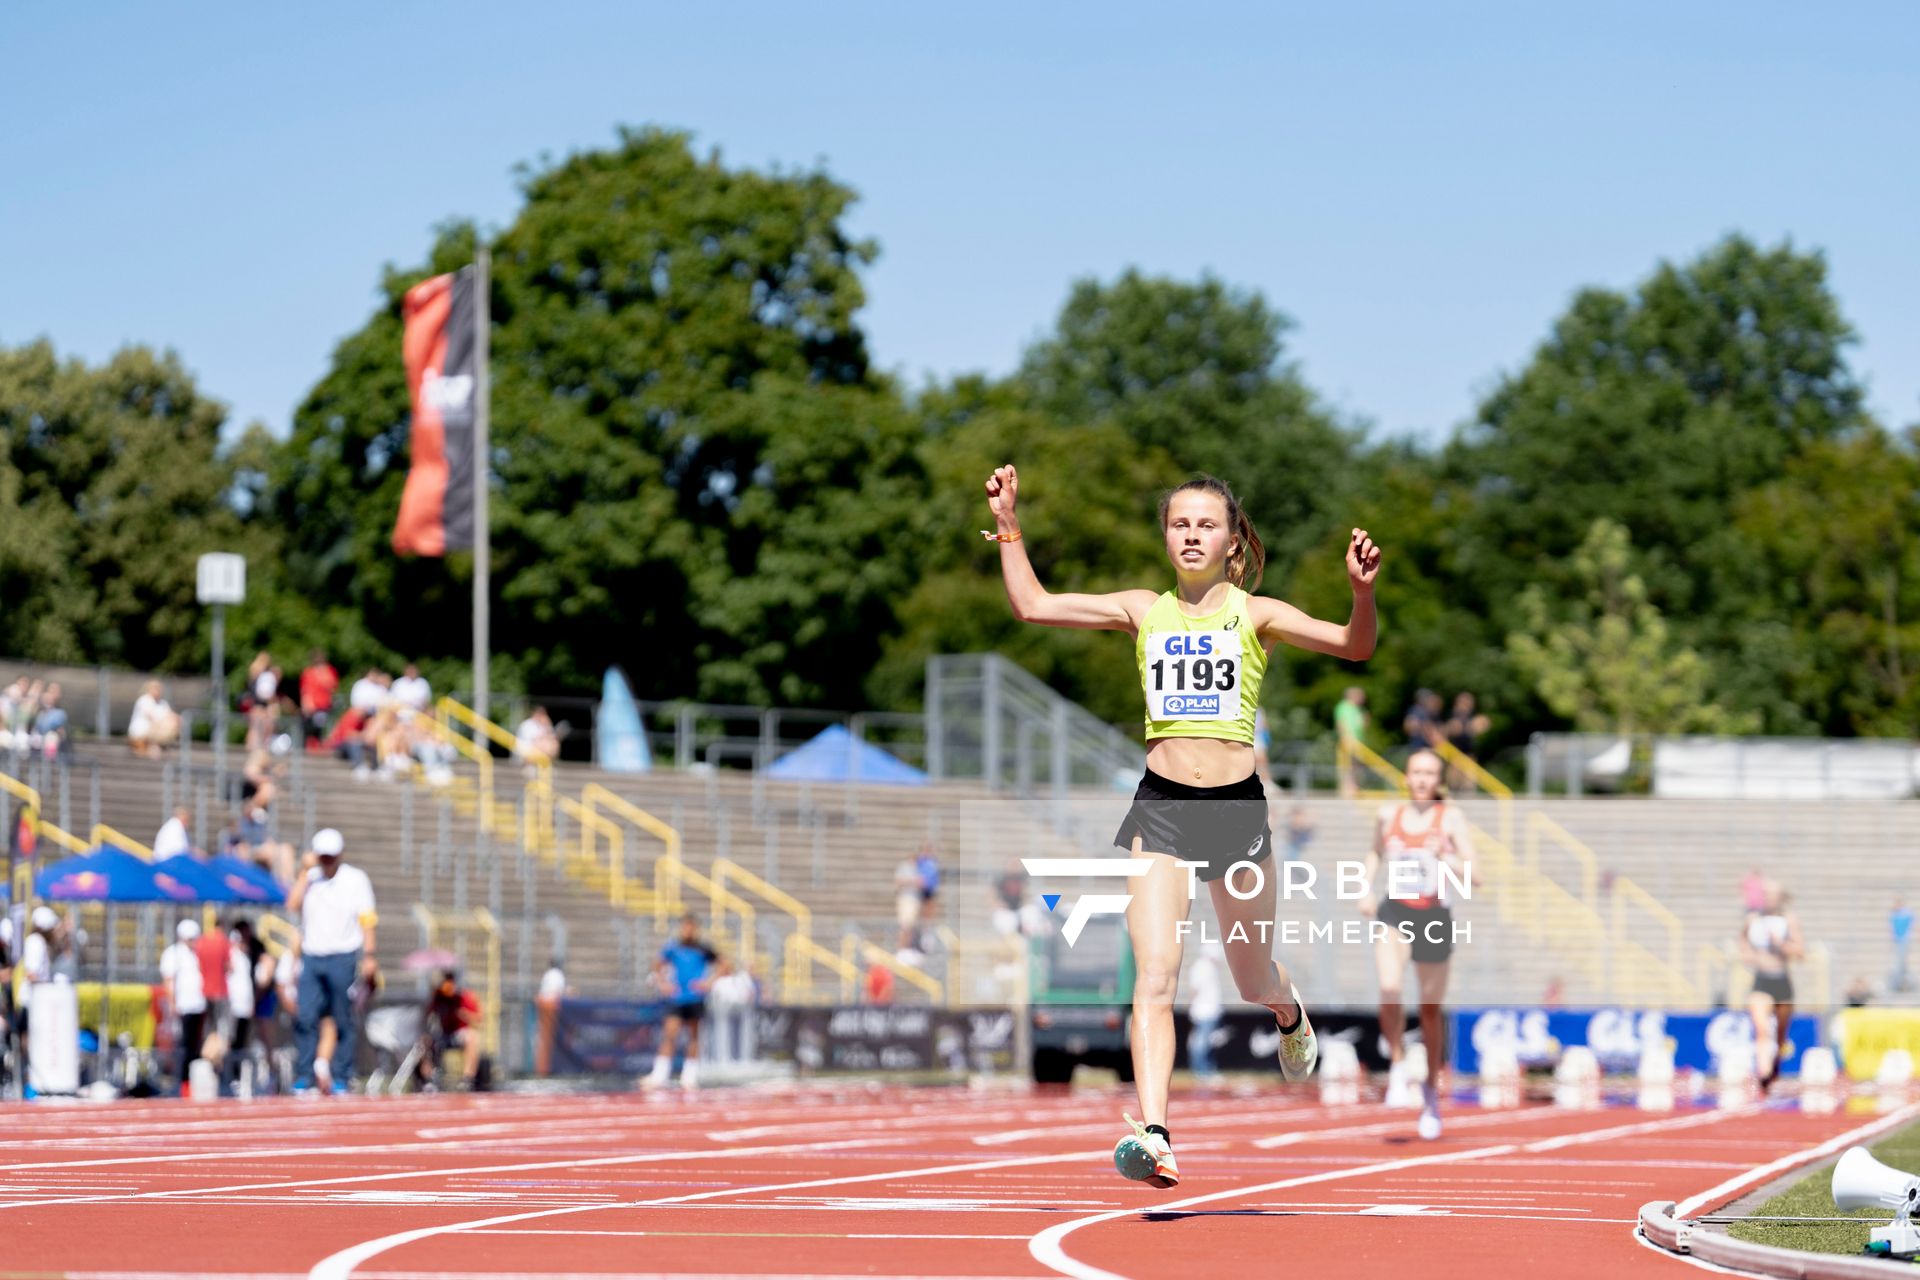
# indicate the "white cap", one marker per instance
pixel 43 918
pixel 328 843
pixel 186 931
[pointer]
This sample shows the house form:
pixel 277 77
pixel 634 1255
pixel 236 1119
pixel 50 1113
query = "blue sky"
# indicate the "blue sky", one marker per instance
pixel 1419 186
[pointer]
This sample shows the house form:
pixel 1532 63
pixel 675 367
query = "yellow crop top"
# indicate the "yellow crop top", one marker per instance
pixel 1201 676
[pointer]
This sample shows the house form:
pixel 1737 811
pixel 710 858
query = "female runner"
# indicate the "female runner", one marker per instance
pixel 1412 841
pixel 1202 651
pixel 1769 946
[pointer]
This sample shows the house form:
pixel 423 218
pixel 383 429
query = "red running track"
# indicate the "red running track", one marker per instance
pixel 841 1180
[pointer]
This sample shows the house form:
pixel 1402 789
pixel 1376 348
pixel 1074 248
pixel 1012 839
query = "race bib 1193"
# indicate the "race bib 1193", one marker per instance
pixel 1193 675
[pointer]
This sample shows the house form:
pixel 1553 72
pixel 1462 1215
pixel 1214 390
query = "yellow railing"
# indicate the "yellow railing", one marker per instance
pixel 670 874
pixel 1625 891
pixel 30 802
pixel 853 944
pixel 1349 751
pixel 1005 961
pixel 725 869
pixel 1539 827
pixel 595 796
pixel 279 934
pixel 1490 785
pixel 104 834
pixel 802 954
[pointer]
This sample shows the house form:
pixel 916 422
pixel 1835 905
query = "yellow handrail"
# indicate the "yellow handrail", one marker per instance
pixel 1500 791
pixel 1625 889
pixel 1349 750
pixel 853 944
pixel 1006 948
pixel 65 839
pixel 1539 823
pixel 726 868
pixel 669 873
pixel 446 711
pixel 104 834
pixel 619 888
pixel 430 922
pixel 278 933
pixel 594 796
pixel 802 953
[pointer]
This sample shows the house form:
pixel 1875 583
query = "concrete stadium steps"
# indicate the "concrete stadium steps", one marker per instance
pixel 1842 861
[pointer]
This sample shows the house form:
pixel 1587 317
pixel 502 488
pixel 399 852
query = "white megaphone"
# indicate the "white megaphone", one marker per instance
pixel 1861 1182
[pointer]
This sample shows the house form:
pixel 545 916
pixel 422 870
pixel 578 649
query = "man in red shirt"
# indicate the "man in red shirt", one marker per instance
pixel 215 954
pixel 318 683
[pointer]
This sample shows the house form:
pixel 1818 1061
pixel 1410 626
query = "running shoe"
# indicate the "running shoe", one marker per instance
pixel 1299 1051
pixel 1145 1157
pixel 1399 1092
pixel 1429 1127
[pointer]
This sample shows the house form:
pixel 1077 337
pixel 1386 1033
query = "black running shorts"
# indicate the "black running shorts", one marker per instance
pixel 1215 825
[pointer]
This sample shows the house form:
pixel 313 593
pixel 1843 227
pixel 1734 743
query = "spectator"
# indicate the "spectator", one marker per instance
pixel 411 691
pixel 1010 914
pixel 927 868
pixel 172 838
pixel 44 937
pixel 215 954
pixel 1205 1008
pixel 1350 724
pixel 50 726
pixel 347 741
pixel 879 983
pixel 536 741
pixel 256 838
pixel 906 895
pixel 26 707
pixel 1753 890
pixel 732 998
pixel 1859 992
pixel 370 691
pixel 186 995
pixel 318 683
pixel 553 990
pixel 1299 832
pixel 1900 926
pixel 1463 729
pixel 249 992
pixel 263 684
pixel 335 906
pixel 452 1022
pixel 155 725
pixel 1422 723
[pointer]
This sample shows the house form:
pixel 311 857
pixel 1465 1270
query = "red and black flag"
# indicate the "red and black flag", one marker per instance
pixel 440 345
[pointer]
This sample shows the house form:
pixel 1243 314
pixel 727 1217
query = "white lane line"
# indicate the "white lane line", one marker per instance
pixel 572 1234
pixel 654 1157
pixel 341 1265
pixel 1047 1250
pixel 1692 1204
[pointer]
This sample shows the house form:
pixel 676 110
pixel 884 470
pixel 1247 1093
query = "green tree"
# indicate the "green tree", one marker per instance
pixel 1197 370
pixel 1828 636
pixel 1087 503
pixel 1605 659
pixel 694 470
pixel 111 487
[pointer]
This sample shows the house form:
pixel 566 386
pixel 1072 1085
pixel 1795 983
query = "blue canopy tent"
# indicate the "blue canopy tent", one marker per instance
pixel 111 875
pixel 205 883
pixel 248 882
pixel 834 755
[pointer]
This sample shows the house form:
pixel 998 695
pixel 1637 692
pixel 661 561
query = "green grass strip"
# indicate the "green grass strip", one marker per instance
pixel 1812 1197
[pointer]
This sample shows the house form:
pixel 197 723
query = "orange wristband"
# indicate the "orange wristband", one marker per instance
pixel 1001 537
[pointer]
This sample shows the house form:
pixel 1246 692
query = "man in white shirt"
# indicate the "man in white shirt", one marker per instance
pixel 369 693
pixel 334 903
pixel 411 691
pixel 173 837
pixel 180 972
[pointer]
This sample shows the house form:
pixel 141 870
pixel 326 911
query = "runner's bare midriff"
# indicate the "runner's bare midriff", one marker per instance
pixel 1200 762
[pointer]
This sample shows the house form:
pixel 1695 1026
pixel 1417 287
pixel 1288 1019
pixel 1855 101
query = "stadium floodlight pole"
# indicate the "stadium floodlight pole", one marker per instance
pixel 482 463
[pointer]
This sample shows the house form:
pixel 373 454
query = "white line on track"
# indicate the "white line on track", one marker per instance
pixel 341 1265
pixel 1047 1250
pixel 1692 1204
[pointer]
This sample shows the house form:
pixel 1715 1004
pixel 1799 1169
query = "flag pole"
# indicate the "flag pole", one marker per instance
pixel 482 453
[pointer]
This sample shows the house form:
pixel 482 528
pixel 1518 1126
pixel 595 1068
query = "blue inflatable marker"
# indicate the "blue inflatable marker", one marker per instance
pixel 1051 899
pixel 621 745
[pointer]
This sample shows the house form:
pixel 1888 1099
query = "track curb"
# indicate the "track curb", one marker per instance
pixel 1690 1239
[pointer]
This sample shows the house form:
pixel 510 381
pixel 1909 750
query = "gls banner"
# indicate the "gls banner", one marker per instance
pixel 1537 1036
